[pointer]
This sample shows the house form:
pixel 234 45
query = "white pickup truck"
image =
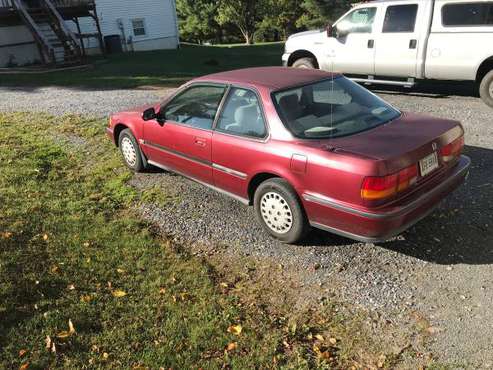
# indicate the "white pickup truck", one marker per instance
pixel 400 42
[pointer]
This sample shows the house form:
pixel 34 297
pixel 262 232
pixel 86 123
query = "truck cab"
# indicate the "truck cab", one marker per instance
pixel 400 42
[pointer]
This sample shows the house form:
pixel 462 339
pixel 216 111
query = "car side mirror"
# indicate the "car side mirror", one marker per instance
pixel 149 114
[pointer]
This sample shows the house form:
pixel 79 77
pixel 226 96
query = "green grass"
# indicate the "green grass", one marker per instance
pixel 162 68
pixel 69 242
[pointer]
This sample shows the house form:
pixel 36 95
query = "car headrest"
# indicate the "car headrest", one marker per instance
pixel 289 102
pixel 246 114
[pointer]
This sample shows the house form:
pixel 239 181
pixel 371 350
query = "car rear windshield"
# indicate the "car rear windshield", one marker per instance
pixel 331 108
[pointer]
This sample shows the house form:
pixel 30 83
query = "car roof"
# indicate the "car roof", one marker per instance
pixel 273 78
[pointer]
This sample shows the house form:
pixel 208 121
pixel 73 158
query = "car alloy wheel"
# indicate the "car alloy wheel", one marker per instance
pixel 129 152
pixel 276 212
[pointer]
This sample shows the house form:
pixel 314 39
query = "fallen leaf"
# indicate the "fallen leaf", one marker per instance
pixel 53 347
pixel 86 244
pixel 381 361
pixel 231 346
pixel 6 235
pixel 65 334
pixel 119 293
pixel 71 328
pixel 120 271
pixel 48 342
pixel 22 352
pixel 24 366
pixel 71 287
pixel 224 285
pixel 55 269
pixel 45 237
pixel 162 291
pixel 85 298
pixel 320 337
pixel 235 329
pixel 106 355
pixel 332 341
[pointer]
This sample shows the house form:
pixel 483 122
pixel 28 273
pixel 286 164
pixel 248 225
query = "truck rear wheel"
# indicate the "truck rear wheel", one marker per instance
pixel 486 88
pixel 308 63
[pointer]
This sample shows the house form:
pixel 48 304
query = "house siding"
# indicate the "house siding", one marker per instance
pixel 160 23
pixel 25 53
pixel 159 17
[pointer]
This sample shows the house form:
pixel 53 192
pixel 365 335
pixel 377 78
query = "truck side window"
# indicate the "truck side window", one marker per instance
pixel 468 14
pixel 400 18
pixel 359 21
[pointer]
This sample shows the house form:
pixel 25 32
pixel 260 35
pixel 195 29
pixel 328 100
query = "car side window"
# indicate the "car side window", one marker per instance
pixel 468 14
pixel 242 115
pixel 358 21
pixel 400 18
pixel 197 106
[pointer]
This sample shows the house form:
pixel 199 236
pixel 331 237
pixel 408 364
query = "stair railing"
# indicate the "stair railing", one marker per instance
pixel 63 27
pixel 38 35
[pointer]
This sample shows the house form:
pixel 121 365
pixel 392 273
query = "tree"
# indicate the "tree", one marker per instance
pixel 319 13
pixel 244 14
pixel 197 21
pixel 281 16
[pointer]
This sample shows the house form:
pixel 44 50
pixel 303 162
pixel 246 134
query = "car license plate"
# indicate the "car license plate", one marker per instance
pixel 428 164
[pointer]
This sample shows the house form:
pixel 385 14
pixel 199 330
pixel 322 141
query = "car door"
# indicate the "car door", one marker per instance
pixel 238 142
pixel 353 47
pixel 182 142
pixel 397 42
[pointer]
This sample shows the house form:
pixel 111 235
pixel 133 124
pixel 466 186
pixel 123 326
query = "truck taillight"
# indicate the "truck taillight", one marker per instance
pixel 378 188
pixel 453 150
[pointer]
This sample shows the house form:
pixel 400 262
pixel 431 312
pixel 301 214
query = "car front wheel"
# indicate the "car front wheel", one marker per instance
pixel 486 88
pixel 306 63
pixel 130 151
pixel 280 212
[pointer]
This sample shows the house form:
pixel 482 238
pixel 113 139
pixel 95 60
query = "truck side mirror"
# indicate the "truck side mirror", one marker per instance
pixel 330 30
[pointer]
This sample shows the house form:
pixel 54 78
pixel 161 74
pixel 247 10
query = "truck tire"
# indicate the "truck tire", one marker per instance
pixel 486 89
pixel 307 63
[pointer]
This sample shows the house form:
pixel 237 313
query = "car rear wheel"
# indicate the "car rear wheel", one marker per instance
pixel 280 212
pixel 130 150
pixel 486 89
pixel 307 63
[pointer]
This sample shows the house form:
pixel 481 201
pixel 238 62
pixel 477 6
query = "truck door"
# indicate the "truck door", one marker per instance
pixel 353 46
pixel 398 41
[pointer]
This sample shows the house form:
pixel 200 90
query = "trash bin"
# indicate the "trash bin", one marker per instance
pixel 113 44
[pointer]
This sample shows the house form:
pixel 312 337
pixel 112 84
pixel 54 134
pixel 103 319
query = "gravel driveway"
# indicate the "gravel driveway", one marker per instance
pixel 441 269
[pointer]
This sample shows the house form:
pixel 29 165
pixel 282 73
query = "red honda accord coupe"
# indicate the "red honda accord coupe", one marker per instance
pixel 304 147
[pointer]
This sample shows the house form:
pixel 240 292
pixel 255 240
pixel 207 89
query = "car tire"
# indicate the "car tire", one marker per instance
pixel 486 89
pixel 307 63
pixel 131 153
pixel 280 211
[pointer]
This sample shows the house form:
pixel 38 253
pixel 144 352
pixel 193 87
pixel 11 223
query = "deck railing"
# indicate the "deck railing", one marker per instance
pixel 57 3
pixel 6 4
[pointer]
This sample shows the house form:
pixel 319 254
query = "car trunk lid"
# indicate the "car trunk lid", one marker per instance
pixel 399 143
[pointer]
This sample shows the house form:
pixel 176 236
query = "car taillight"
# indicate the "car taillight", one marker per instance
pixel 452 150
pixel 378 188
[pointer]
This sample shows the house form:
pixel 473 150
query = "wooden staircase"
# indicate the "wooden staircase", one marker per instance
pixel 56 42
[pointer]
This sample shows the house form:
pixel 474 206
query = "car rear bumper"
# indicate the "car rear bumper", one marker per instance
pixel 374 226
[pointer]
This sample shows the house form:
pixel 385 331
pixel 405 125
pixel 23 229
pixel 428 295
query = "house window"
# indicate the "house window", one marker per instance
pixel 139 27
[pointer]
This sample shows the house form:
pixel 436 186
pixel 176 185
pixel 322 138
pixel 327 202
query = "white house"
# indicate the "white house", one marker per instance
pixel 61 31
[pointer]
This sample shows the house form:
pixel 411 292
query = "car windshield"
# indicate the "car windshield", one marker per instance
pixel 331 108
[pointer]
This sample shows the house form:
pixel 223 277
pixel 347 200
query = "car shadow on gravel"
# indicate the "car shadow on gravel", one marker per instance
pixel 460 230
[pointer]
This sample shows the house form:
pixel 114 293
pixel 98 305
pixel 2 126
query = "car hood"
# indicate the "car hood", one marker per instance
pixel 139 109
pixel 305 33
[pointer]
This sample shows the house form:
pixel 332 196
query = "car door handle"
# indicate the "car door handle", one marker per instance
pixel 371 44
pixel 413 44
pixel 200 142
